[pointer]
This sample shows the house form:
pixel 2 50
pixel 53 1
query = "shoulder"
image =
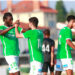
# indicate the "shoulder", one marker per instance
pixel 67 28
pixel 40 32
pixel 51 40
pixel 64 30
pixel 2 27
pixel 29 30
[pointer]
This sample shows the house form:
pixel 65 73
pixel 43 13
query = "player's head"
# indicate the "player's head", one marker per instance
pixel 46 33
pixel 74 25
pixel 8 18
pixel 33 22
pixel 71 20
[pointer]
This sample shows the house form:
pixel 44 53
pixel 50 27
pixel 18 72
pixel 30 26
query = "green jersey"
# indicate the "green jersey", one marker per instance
pixel 9 42
pixel 64 50
pixel 35 40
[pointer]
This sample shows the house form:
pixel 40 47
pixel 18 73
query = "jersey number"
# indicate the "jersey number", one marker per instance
pixel 45 48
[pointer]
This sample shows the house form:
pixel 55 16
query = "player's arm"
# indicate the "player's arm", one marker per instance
pixel 24 30
pixel 24 33
pixel 2 32
pixel 73 31
pixel 18 35
pixel 52 55
pixel 69 42
pixel 68 36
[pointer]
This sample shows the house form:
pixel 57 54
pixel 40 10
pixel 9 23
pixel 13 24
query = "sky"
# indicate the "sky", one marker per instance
pixel 69 4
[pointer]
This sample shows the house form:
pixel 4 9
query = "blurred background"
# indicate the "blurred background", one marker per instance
pixel 51 14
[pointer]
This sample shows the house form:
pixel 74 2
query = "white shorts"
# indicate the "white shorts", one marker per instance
pixel 35 68
pixel 13 62
pixel 64 64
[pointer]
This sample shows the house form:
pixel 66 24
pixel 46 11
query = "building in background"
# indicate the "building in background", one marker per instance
pixel 26 9
pixel 23 10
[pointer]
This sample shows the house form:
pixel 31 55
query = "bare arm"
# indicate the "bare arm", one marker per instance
pixel 24 30
pixel 2 32
pixel 18 35
pixel 73 31
pixel 52 55
pixel 70 43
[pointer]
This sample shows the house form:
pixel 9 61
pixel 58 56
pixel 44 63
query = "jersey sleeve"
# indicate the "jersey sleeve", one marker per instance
pixel 1 28
pixel 19 29
pixel 68 34
pixel 28 34
pixel 53 43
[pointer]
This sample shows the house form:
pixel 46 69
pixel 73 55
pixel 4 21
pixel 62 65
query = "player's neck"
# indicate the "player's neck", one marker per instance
pixel 46 37
pixel 68 26
pixel 7 25
pixel 33 28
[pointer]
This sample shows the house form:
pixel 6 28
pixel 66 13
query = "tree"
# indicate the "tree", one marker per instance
pixel 72 12
pixel 62 13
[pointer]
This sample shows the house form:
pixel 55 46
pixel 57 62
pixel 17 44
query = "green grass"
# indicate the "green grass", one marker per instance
pixel 25 70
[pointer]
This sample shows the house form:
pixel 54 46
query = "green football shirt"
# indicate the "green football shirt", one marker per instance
pixel 64 50
pixel 35 40
pixel 10 42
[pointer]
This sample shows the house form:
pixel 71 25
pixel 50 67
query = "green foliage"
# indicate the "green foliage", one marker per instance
pixel 62 13
pixel 25 70
pixel 7 72
pixel 22 70
pixel 72 12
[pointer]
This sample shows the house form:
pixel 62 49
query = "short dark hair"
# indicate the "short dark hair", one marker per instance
pixel 47 32
pixel 6 15
pixel 34 21
pixel 70 17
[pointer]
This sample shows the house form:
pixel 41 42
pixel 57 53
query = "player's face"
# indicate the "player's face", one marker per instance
pixel 71 23
pixel 9 20
pixel 30 25
pixel 74 25
pixel 46 36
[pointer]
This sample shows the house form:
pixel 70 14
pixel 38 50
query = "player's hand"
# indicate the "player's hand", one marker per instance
pixel 51 64
pixel 17 22
pixel 16 25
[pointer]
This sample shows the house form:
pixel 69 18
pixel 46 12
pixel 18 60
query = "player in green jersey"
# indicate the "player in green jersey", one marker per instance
pixel 10 44
pixel 64 58
pixel 35 40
